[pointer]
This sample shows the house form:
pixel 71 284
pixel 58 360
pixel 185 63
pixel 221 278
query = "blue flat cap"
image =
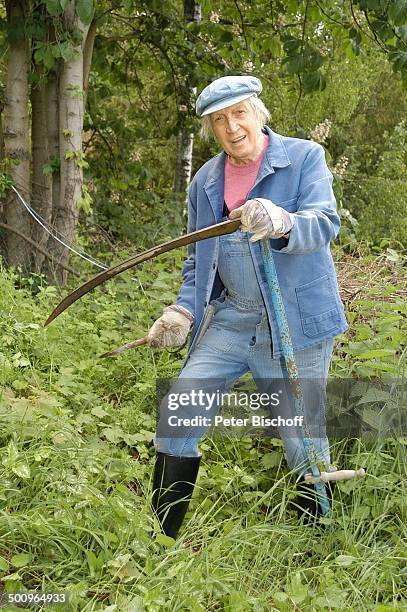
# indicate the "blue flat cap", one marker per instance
pixel 226 91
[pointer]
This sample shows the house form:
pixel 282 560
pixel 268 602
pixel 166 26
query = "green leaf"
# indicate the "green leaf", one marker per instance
pixel 63 4
pixel 135 604
pixel 113 434
pixel 297 590
pixel 270 460
pixel 291 45
pixel 164 540
pixel 21 469
pixel 51 166
pixel 47 169
pixel 280 596
pixel 399 59
pixel 92 562
pixel 236 601
pixel 398 12
pixel 3 564
pixel 314 59
pixel 374 420
pixel 274 46
pixel 382 29
pixel 84 202
pixel 48 58
pixel 12 454
pixel 54 7
pixel 99 412
pixel 313 81
pixel 295 63
pixel 21 560
pixel 344 560
pixel 376 353
pixel 361 512
pixel 374 395
pixel 12 577
pixel 85 10
pixel 226 36
pixel 66 51
pixel 19 385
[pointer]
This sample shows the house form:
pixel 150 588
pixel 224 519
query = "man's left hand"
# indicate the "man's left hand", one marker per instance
pixel 263 219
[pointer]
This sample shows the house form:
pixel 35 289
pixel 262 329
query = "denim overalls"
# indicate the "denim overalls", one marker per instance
pixel 237 340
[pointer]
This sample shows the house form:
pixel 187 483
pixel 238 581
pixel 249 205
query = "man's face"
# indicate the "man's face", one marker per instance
pixel 238 131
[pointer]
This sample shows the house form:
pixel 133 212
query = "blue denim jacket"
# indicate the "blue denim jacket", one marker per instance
pixel 294 175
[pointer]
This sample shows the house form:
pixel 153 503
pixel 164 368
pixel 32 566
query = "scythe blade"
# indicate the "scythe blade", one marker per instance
pixel 226 227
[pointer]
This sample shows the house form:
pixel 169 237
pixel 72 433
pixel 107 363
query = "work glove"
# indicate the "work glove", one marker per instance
pixel 263 219
pixel 171 329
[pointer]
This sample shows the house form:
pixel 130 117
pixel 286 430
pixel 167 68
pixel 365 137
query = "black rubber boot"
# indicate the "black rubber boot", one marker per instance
pixel 173 484
pixel 308 508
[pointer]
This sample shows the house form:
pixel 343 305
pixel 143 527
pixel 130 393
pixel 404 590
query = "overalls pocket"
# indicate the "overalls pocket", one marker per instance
pixel 318 308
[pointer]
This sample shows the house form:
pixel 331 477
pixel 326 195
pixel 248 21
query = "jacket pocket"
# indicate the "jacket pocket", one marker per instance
pixel 318 307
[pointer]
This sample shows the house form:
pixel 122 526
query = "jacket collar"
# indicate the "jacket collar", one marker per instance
pixel 276 153
pixel 215 185
pixel 275 156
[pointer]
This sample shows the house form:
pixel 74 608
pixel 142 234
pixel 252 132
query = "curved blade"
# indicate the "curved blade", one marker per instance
pixel 226 227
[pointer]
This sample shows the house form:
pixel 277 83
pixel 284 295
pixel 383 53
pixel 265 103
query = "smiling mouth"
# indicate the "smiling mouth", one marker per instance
pixel 238 140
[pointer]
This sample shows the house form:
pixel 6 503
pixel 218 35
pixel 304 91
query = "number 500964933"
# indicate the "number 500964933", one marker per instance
pixel 28 598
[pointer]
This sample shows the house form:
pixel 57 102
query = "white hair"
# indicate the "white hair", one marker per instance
pixel 260 111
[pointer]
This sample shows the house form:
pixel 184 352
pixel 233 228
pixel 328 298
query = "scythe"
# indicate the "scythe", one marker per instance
pixel 227 227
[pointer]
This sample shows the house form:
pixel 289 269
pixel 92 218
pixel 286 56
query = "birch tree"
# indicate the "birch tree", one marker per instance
pixel 41 122
pixel 16 131
pixel 55 33
pixel 185 136
pixel 70 121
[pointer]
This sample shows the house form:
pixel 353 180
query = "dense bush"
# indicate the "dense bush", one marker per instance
pixel 379 204
pixel 375 191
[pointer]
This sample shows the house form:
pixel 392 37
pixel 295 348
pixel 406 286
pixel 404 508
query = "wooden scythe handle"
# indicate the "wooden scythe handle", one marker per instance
pixel 125 347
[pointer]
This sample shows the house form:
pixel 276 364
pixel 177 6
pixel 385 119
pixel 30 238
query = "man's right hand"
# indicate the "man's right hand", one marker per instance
pixel 171 329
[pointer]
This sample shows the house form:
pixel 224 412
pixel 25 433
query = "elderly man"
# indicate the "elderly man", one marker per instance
pixel 281 190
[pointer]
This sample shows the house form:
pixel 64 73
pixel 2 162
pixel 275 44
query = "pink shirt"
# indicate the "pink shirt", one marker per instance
pixel 240 179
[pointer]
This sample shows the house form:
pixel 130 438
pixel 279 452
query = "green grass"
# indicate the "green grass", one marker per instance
pixel 76 461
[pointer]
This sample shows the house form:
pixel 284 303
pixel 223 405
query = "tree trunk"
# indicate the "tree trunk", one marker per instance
pixel 41 184
pixel 87 58
pixel 16 134
pixel 53 131
pixel 52 111
pixel 185 138
pixel 65 213
pixel 183 164
pixel 1 131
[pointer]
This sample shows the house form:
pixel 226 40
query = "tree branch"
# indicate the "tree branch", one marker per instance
pixel 242 23
pixel 359 26
pixel 87 57
pixel 39 248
